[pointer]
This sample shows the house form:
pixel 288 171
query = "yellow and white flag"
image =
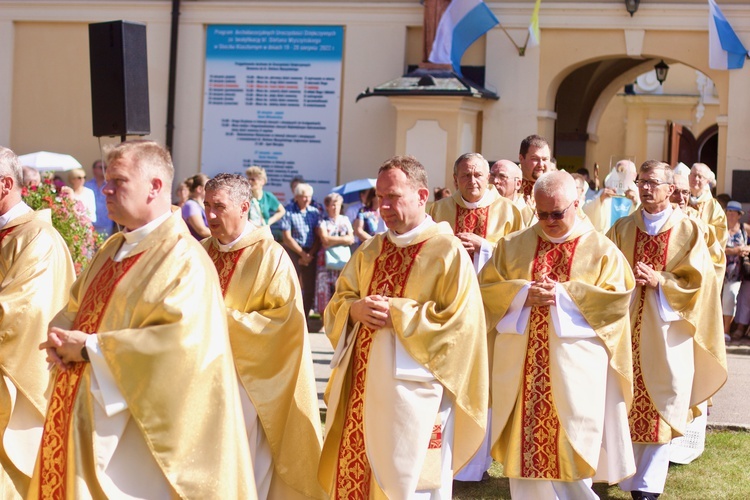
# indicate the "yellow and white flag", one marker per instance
pixel 534 33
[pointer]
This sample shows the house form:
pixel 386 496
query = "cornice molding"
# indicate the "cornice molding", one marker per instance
pixel 516 15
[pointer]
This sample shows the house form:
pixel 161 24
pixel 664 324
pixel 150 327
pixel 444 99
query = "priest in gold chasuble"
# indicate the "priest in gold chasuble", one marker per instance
pixel 556 299
pixel 681 197
pixel 36 272
pixel 535 157
pixel 144 399
pixel 477 213
pixel 679 358
pixel 708 208
pixel 269 341
pixel 479 217
pixel 407 398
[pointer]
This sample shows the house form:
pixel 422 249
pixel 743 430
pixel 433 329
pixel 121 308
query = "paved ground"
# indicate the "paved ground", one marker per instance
pixel 321 353
pixel 731 405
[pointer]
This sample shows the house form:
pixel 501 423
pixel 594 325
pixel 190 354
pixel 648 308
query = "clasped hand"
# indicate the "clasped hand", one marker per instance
pixel 541 293
pixel 645 275
pixel 470 241
pixel 63 346
pixel 374 311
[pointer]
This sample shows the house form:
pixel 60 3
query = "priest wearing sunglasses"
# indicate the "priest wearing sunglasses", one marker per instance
pixel 556 298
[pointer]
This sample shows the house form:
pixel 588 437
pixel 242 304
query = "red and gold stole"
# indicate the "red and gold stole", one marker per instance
pixel 527 188
pixel 57 424
pixel 392 269
pixel 643 417
pixel 541 425
pixel 226 263
pixel 472 220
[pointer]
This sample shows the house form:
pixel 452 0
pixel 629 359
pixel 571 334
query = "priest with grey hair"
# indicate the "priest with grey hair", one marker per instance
pixel 559 343
pixel 269 342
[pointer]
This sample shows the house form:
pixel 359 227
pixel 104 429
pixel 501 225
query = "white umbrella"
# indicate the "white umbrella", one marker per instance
pixel 44 160
pixel 350 190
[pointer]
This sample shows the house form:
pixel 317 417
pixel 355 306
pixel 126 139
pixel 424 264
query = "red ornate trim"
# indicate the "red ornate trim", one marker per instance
pixel 527 188
pixel 472 220
pixel 226 264
pixel 540 422
pixel 353 472
pixel 643 417
pixel 54 455
pixel 436 440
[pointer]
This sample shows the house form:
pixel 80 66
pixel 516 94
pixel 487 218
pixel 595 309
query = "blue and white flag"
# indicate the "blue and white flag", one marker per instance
pixel 461 24
pixel 725 50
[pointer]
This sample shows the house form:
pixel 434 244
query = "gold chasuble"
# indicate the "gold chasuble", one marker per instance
pixel 35 275
pixel 268 334
pixel 494 217
pixel 710 211
pixel 554 385
pixel 160 324
pixel 715 247
pixel 665 352
pixel 433 306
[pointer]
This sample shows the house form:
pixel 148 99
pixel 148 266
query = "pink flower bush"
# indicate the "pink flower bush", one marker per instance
pixel 75 228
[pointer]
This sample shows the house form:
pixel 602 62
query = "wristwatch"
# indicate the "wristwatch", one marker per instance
pixel 85 354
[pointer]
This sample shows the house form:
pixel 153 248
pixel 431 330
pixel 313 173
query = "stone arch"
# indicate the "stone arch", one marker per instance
pixel 581 48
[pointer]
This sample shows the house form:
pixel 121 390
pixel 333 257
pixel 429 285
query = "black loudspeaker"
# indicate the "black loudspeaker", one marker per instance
pixel 119 79
pixel 741 186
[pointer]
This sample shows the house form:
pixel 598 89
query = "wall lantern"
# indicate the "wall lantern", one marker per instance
pixel 661 69
pixel 632 6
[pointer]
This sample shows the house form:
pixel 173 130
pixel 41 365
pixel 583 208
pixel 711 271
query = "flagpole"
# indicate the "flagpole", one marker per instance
pixel 521 50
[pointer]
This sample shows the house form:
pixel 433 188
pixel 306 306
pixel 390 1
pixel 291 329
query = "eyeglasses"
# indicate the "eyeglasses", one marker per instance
pixel 682 192
pixel 501 177
pixel 556 215
pixel 649 184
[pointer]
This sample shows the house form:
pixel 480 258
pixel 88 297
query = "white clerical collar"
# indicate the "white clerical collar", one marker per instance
pixel 132 238
pixel 18 210
pixel 654 222
pixel 137 235
pixel 477 203
pixel 704 195
pixel 566 236
pixel 404 240
pixel 249 227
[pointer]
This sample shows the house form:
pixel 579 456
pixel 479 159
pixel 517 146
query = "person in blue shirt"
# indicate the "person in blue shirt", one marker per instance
pixel 103 224
pixel 301 241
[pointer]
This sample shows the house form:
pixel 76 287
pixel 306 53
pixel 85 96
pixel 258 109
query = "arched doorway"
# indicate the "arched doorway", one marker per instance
pixel 615 108
pixel 576 98
pixel 708 147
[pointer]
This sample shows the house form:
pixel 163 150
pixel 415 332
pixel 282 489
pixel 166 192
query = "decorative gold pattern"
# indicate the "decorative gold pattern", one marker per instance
pixel 226 263
pixel 353 471
pixel 54 457
pixel 643 417
pixel 541 425
pixel 527 188
pixel 472 220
